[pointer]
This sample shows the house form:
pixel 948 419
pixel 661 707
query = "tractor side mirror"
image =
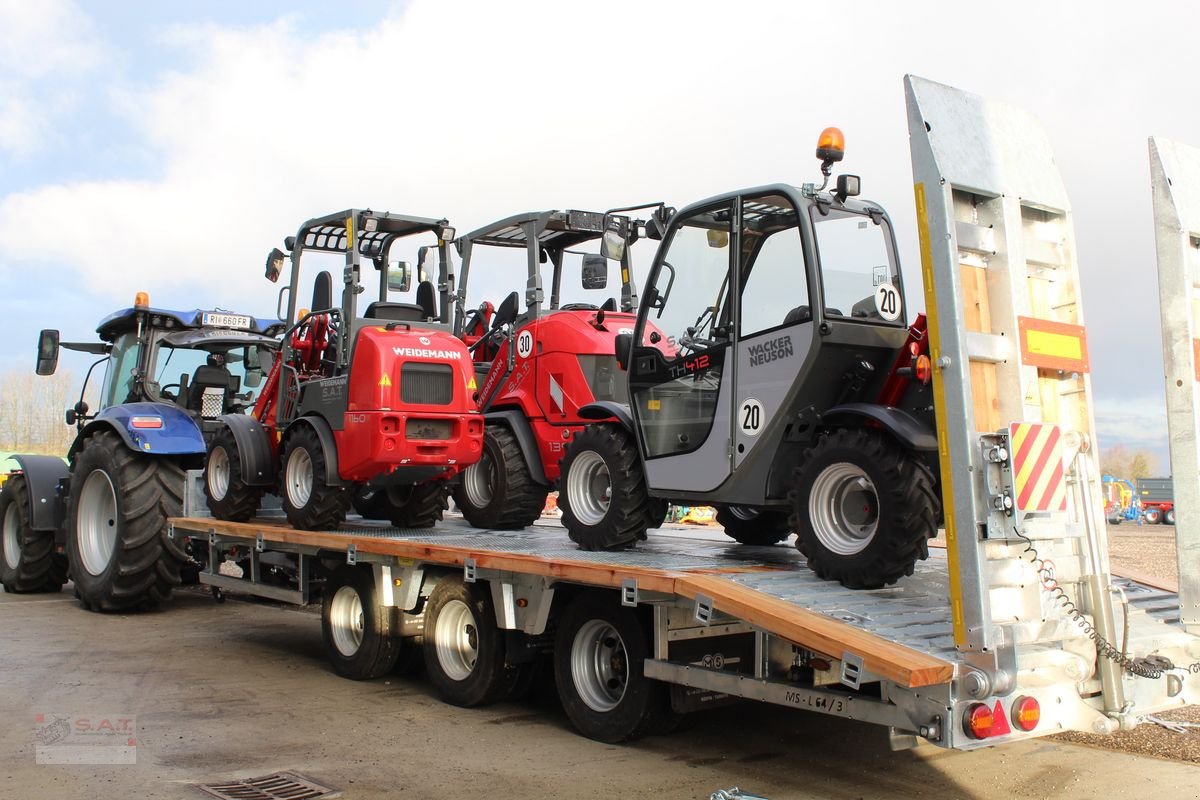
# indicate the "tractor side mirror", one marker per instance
pixel 47 355
pixel 76 414
pixel 623 347
pixel 595 272
pixel 274 264
pixel 399 277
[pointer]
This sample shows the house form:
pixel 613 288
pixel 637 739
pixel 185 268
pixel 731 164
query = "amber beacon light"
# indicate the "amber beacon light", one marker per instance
pixel 831 145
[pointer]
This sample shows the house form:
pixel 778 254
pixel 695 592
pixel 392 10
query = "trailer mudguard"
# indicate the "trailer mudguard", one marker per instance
pixel 607 409
pixel 519 425
pixel 43 475
pixel 328 443
pixel 907 429
pixel 157 429
pixel 254 448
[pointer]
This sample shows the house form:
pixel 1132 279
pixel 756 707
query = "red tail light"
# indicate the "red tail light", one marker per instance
pixel 923 369
pixel 978 721
pixel 1026 713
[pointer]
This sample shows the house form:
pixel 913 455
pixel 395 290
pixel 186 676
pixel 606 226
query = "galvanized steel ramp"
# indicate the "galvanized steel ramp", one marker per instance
pixel 902 633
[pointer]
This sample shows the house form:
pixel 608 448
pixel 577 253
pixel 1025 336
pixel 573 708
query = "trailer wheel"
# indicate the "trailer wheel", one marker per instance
pixel 464 650
pixel 1168 517
pixel 118 549
pixel 599 651
pixel 419 506
pixel 603 496
pixel 229 496
pixel 754 526
pixel 28 562
pixel 309 502
pixel 357 630
pixel 1152 516
pixel 499 491
pixel 863 509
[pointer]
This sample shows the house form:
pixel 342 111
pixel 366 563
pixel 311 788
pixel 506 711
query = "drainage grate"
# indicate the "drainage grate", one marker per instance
pixel 280 786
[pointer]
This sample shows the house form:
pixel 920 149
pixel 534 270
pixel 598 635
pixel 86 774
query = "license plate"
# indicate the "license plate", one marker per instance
pixel 211 318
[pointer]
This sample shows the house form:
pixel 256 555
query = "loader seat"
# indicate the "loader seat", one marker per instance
pixel 396 312
pixel 798 314
pixel 427 299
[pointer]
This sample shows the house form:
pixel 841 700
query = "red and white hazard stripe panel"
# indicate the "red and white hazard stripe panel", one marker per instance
pixel 1038 474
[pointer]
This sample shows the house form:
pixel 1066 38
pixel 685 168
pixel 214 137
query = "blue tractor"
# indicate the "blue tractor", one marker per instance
pixel 101 517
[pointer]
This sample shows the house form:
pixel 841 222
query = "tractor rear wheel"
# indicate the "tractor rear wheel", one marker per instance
pixel 419 506
pixel 603 490
pixel 28 562
pixel 118 547
pixel 754 526
pixel 309 502
pixel 499 491
pixel 229 496
pixel 863 509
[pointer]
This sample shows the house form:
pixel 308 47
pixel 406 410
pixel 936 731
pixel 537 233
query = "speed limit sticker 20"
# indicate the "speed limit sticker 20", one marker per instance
pixel 751 417
pixel 888 302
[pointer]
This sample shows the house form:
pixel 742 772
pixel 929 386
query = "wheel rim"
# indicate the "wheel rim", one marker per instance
pixel 298 477
pixel 478 481
pixel 457 639
pixel 346 620
pixel 843 508
pixel 589 488
pixel 12 536
pixel 97 522
pixel 599 665
pixel 218 473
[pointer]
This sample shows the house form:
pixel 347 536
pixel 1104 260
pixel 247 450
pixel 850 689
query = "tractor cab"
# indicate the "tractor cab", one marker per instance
pixel 207 363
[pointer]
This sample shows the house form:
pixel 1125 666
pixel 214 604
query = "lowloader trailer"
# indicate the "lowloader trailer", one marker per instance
pixel 1015 629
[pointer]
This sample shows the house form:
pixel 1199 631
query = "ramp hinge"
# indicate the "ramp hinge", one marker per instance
pixel 259 544
pixel 852 670
pixel 704 609
pixel 629 592
pixel 352 554
pixel 212 536
pixel 468 570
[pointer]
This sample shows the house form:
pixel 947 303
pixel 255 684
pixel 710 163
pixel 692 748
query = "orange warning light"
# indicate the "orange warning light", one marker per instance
pixel 831 145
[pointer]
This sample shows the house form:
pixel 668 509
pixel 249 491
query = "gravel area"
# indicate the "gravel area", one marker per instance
pixel 1148 550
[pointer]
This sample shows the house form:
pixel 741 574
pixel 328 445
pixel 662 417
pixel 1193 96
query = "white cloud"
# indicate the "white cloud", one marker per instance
pixel 1136 423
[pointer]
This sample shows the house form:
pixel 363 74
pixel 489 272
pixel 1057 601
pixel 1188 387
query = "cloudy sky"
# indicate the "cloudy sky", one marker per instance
pixel 167 146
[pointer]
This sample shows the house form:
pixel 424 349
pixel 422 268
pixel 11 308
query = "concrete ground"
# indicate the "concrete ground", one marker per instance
pixel 242 689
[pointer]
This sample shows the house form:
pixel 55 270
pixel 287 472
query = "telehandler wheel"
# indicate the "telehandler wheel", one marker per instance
pixel 1151 516
pixel 464 650
pixel 863 509
pixel 28 562
pixel 419 506
pixel 750 525
pixel 309 502
pixel 603 490
pixel 118 547
pixel 499 491
pixel 659 509
pixel 599 651
pixel 229 496
pixel 358 632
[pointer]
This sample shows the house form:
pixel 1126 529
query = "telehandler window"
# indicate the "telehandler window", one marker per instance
pixel 774 283
pixel 856 260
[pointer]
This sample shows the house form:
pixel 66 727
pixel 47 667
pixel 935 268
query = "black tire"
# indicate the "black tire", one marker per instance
pixel 118 549
pixel 1168 517
pixel 464 650
pixel 229 496
pixel 602 489
pixel 1114 520
pixel 310 503
pixel 600 648
pixel 371 503
pixel 499 491
pixel 360 636
pixel 659 509
pixel 419 506
pixel 874 504
pixel 28 561
pixel 754 526
pixel 1152 516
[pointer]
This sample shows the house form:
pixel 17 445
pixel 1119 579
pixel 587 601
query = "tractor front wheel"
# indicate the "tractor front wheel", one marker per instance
pixel 499 491
pixel 118 547
pixel 308 500
pixel 603 490
pixel 863 509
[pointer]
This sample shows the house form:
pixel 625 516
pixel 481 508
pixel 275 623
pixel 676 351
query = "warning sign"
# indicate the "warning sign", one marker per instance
pixel 1038 475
